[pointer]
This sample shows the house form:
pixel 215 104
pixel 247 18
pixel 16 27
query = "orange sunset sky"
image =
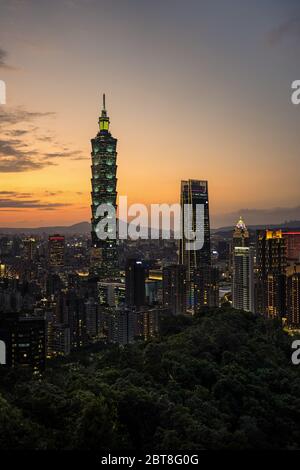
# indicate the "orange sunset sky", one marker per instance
pixel 195 89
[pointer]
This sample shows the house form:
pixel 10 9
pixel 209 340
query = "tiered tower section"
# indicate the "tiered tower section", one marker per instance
pixel 104 191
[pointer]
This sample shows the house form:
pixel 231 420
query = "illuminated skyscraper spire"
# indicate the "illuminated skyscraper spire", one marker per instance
pixel 103 119
pixel 240 233
pixel 241 224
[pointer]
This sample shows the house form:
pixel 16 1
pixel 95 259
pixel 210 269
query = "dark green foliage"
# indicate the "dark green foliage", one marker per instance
pixel 224 380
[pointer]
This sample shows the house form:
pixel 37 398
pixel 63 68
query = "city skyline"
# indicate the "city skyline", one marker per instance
pixel 149 229
pixel 190 100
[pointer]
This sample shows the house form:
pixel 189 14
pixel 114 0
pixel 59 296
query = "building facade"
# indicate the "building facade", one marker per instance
pixel 23 342
pixel 174 289
pixel 56 250
pixel 135 277
pixel 206 288
pixel 293 301
pixel 196 261
pixel 271 274
pixel 292 239
pixel 242 269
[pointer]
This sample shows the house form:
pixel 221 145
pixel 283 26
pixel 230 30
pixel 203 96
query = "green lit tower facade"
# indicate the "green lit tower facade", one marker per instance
pixel 104 256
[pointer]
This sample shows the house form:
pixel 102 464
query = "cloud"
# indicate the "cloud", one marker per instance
pixel 3 64
pixel 13 148
pixel 289 28
pixel 30 204
pixel 16 154
pixel 17 115
pixel 3 55
pixel 14 165
pixel 52 193
pixel 17 132
pixel 276 215
pixel 80 158
pixel 65 154
pixel 15 194
pixel 13 157
pixel 12 201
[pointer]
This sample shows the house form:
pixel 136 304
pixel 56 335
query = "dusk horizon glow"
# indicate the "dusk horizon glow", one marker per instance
pixel 200 91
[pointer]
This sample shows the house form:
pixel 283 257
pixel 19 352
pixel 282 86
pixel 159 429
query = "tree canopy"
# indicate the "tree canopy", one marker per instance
pixel 223 380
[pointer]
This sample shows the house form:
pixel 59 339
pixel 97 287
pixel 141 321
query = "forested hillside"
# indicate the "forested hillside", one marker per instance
pixel 221 381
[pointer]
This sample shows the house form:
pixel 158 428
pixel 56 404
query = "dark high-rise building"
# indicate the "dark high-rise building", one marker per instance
pixel 122 325
pixel 104 191
pixel 271 274
pixel 23 342
pixel 76 320
pixel 30 249
pixel 91 318
pixel 240 234
pixel 224 250
pixel 135 277
pixel 56 250
pixel 292 239
pixel 195 192
pixel 126 324
pixel 243 278
pixel 242 269
pixel 293 300
pixel 150 322
pixel 206 287
pixel 111 293
pixel 174 288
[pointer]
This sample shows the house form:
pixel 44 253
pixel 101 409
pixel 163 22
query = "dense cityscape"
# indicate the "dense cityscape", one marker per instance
pixel 64 292
pixel 149 232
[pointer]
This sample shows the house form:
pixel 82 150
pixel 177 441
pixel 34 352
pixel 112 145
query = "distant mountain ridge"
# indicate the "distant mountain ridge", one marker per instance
pixel 84 228
pixel 292 224
pixel 80 228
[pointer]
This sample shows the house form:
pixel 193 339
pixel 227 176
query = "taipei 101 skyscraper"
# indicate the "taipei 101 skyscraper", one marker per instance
pixel 104 256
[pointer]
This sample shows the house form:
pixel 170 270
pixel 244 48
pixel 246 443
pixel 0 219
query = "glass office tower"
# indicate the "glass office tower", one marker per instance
pixel 242 269
pixel 198 261
pixel 271 274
